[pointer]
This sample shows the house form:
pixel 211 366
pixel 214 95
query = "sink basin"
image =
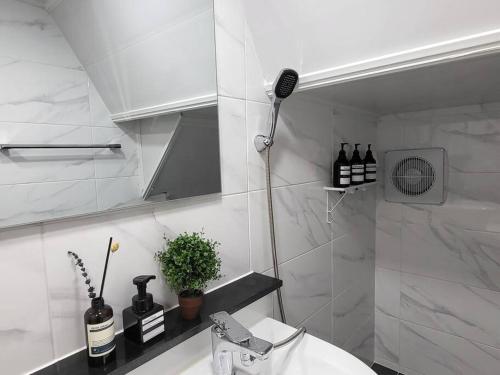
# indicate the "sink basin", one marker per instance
pixel 306 356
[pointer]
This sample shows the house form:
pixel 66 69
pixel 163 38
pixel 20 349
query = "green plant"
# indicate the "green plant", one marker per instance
pixel 189 262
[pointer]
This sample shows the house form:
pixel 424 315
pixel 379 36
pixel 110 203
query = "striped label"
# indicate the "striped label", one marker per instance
pixel 371 176
pixel 345 181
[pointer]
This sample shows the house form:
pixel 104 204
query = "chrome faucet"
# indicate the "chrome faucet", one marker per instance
pixel 230 337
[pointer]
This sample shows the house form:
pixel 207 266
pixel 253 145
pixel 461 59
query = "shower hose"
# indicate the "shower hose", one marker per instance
pixel 271 231
pixel 300 331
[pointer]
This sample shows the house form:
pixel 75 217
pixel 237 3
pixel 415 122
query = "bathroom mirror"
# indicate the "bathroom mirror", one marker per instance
pixel 105 105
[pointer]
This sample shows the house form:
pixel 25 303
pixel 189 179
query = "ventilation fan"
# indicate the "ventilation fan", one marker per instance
pixel 416 176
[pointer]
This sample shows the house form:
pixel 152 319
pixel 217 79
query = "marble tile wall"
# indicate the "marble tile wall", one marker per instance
pixel 328 270
pixel 47 97
pixel 438 267
pixel 353 243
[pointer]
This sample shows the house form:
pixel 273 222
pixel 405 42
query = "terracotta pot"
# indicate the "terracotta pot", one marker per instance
pixel 190 305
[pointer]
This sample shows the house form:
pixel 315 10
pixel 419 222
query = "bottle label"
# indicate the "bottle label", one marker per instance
pixel 101 338
pixel 371 176
pixel 345 181
pixel 345 168
pixel 371 167
pixel 358 173
pixel 345 173
pixel 150 318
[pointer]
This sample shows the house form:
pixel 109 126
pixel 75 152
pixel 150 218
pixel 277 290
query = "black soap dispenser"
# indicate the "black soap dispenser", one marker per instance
pixel 357 167
pixel 342 169
pixel 370 166
pixel 143 320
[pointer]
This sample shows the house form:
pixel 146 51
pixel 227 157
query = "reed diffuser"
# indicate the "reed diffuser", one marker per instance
pixel 98 319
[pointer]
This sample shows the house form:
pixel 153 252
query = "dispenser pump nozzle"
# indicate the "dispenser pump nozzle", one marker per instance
pixel 142 301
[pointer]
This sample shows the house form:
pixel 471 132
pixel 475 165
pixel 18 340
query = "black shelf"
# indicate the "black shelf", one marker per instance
pixel 129 355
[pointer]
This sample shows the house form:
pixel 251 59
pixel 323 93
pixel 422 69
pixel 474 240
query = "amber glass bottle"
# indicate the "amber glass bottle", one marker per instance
pixel 99 333
pixel 357 167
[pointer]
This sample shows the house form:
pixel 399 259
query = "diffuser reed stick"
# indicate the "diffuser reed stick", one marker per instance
pixel 106 266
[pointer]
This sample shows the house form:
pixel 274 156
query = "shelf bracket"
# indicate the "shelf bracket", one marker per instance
pixel 329 210
pixel 343 192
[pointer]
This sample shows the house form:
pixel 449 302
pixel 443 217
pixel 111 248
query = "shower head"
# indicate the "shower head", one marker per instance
pixel 285 83
pixel 282 88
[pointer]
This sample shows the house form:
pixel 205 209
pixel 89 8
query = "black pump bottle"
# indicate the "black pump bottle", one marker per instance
pixel 357 167
pixel 342 169
pixel 370 166
pixel 100 333
pixel 144 320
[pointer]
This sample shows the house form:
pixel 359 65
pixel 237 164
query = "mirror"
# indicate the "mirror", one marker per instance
pixel 105 105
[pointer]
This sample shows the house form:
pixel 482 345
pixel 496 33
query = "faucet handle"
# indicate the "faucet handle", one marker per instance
pixel 233 330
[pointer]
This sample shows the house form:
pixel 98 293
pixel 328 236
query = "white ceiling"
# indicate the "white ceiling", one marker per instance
pixel 468 81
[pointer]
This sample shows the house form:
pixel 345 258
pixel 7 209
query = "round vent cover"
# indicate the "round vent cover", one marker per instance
pixel 413 176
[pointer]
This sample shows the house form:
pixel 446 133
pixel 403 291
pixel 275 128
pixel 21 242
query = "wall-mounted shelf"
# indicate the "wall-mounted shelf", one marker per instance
pixel 351 189
pixel 130 355
pixel 343 192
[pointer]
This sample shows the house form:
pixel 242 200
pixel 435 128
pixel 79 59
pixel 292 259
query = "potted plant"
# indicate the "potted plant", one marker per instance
pixel 188 263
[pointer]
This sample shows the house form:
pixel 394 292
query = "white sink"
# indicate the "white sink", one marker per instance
pixel 306 356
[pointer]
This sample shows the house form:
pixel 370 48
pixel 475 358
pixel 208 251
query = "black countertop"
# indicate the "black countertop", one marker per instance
pixel 129 355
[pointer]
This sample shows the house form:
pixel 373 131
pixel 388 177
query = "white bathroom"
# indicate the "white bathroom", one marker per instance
pixel 250 187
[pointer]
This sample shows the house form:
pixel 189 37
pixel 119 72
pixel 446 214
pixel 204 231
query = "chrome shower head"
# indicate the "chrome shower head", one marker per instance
pixel 282 88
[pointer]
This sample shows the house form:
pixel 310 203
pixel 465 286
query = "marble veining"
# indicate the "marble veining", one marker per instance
pixel 308 279
pixel 27 203
pixel 233 146
pixel 43 93
pixel 387 292
pixel 386 338
pixel 117 163
pixel 118 192
pixel 350 309
pixel 21 252
pixel 320 323
pixel 351 258
pixel 30 166
pixel 458 255
pixel 431 352
pixel 458 309
pixel 63 96
pixel 300 153
pixel 361 343
pixel 299 221
pixel 448 256
pixel 37 38
pixel 230 31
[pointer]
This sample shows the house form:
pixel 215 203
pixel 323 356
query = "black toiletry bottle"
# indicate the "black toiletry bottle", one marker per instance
pixel 342 169
pixel 370 166
pixel 357 167
pixel 100 333
pixel 143 320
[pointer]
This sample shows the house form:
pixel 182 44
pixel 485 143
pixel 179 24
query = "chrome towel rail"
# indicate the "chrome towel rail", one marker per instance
pixel 42 146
